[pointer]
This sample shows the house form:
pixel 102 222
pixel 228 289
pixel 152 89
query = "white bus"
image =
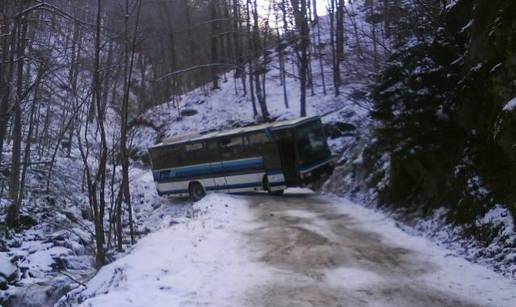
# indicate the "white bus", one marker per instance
pixel 270 157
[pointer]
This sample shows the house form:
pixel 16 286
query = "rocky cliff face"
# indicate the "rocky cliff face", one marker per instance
pixel 445 126
pixel 446 120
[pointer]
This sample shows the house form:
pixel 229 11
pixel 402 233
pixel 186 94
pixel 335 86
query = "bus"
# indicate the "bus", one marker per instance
pixel 267 157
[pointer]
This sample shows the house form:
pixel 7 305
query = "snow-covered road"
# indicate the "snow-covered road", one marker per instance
pixel 298 250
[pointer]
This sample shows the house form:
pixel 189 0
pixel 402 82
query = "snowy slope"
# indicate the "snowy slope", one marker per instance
pixel 228 106
pixel 201 260
pixel 211 260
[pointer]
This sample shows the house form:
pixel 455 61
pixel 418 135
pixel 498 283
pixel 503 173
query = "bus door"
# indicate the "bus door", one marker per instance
pixel 232 164
pixel 217 181
pixel 287 151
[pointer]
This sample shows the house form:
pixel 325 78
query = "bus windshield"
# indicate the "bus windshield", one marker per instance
pixel 311 144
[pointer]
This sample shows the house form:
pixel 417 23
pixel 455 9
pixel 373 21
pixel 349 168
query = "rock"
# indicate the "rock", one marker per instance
pixel 86 213
pixel 3 246
pixel 505 133
pixel 156 205
pixel 26 221
pixel 14 243
pixel 188 112
pixel 7 269
pixel 3 283
pixel 41 294
pixel 338 129
pixel 60 264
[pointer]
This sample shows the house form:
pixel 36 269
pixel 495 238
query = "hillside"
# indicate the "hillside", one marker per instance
pixel 441 155
pixel 54 247
pixel 418 102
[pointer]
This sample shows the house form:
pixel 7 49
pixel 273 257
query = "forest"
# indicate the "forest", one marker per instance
pixel 420 97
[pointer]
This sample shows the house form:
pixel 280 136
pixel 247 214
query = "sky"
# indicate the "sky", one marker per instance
pixel 264 5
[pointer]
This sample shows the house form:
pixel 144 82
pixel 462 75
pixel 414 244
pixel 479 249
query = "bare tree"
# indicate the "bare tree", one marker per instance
pixel 214 26
pixel 335 63
pixel 14 183
pixel 129 54
pixel 301 19
pixel 259 69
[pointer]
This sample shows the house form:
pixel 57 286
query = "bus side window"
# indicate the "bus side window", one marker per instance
pixel 165 175
pixel 179 154
pixel 256 144
pixel 232 147
pixel 212 150
pixel 257 139
pixel 195 152
pixel 166 157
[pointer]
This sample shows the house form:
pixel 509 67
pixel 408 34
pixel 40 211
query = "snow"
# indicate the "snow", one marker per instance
pixel 7 269
pixel 353 278
pixel 194 253
pixel 227 106
pixel 66 208
pixel 470 280
pixel 511 105
pixel 451 4
pixel 467 26
pixel 501 216
pixel 198 258
pixel 206 260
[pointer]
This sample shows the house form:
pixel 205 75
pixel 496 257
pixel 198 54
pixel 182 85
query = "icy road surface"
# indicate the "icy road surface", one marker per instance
pixel 298 250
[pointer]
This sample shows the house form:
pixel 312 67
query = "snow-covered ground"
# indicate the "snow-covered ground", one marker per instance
pixel 198 260
pixel 299 250
pixel 56 250
pixel 205 254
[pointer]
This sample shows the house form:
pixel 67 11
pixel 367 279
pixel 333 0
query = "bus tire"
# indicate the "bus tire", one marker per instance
pixel 196 191
pixel 267 187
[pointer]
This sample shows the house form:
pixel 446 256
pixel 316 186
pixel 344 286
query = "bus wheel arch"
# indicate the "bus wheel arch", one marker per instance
pixel 267 187
pixel 196 191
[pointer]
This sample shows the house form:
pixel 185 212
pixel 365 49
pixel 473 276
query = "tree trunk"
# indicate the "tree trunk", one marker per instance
pixel 14 182
pixel 100 202
pixel 373 34
pixel 319 47
pixel 251 57
pixel 214 41
pixel 281 48
pixel 336 68
pixel 7 74
pixel 340 34
pixel 261 69
pixel 129 63
pixel 299 7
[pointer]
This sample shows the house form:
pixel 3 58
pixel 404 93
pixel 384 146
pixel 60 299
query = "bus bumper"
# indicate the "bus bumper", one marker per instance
pixel 316 176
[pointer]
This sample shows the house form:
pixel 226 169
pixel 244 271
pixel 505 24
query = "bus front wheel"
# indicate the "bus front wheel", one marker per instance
pixel 196 191
pixel 267 187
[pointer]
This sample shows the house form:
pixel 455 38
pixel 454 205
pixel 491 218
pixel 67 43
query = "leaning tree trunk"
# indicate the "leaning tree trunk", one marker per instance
pixel 260 92
pixel 14 182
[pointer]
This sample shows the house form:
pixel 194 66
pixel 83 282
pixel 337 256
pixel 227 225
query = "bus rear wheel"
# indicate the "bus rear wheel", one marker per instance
pixel 196 191
pixel 267 187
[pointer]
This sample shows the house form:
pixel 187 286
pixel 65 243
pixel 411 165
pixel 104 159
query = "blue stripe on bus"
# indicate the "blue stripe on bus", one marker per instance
pixel 222 168
pixel 223 187
pixel 276 184
pixel 274 172
pixel 235 186
pixel 180 191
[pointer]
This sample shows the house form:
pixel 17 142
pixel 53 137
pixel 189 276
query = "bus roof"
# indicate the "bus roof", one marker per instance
pixel 198 136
